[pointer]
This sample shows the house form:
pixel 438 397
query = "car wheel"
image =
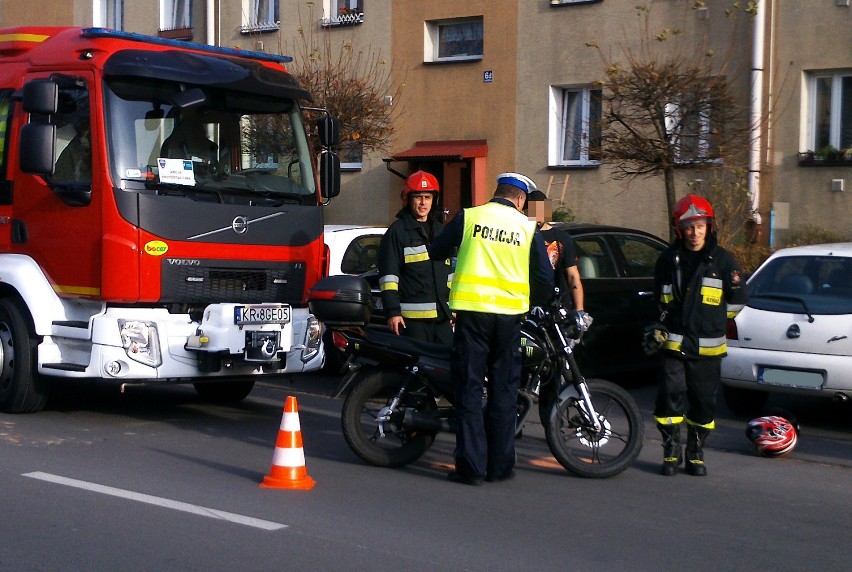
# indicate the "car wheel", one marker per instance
pixel 744 401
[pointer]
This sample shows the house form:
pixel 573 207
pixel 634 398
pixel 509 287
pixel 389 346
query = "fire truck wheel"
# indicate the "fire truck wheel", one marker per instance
pixel 22 389
pixel 224 391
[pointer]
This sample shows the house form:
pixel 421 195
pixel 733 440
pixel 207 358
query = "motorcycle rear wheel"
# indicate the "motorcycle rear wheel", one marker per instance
pixel 604 452
pixel 397 447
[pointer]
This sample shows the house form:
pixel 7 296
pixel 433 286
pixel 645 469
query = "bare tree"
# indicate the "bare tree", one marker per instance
pixel 665 109
pixel 352 83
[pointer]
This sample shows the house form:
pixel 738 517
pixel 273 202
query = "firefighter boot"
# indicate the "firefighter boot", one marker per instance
pixel 696 436
pixel 672 456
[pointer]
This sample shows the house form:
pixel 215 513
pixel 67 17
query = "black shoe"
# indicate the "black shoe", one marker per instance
pixel 696 468
pixel 497 478
pixel 456 477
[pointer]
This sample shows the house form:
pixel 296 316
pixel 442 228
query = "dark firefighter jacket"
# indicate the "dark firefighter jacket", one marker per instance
pixel 412 285
pixel 696 308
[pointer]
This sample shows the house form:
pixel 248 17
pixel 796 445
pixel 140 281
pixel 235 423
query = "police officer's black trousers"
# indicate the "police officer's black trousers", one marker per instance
pixel 486 345
pixel 688 389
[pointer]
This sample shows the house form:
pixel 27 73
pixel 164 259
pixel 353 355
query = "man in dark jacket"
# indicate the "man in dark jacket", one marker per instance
pixel 698 285
pixel 414 288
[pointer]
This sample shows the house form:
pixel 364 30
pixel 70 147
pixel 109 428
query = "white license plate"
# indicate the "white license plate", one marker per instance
pixel 790 378
pixel 262 314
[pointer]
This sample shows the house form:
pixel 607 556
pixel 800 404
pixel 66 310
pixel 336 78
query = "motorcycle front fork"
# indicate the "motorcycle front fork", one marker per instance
pixel 582 388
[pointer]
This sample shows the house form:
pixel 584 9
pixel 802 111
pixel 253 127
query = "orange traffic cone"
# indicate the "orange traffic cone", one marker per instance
pixel 288 462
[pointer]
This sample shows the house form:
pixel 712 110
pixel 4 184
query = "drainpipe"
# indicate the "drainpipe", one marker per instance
pixel 757 61
pixel 211 22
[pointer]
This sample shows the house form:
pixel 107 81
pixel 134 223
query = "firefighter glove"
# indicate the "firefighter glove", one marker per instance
pixel 653 338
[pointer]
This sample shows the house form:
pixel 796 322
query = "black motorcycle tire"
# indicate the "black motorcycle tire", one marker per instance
pixel 596 454
pixel 371 390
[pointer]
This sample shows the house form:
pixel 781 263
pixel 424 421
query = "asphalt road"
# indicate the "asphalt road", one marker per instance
pixel 154 479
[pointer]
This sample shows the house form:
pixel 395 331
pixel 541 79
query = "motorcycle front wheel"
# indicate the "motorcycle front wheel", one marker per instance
pixel 384 443
pixel 593 452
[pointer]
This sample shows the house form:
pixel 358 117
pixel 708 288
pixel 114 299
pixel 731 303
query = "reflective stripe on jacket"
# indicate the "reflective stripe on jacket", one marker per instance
pixel 412 285
pixel 697 307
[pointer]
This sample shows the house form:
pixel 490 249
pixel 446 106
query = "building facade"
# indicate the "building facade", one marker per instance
pixel 494 86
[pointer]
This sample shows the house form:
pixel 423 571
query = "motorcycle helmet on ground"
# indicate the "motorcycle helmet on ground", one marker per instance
pixel 691 208
pixel 772 435
pixel 419 182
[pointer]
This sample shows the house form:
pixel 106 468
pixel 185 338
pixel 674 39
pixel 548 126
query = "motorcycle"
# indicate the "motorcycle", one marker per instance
pixel 401 395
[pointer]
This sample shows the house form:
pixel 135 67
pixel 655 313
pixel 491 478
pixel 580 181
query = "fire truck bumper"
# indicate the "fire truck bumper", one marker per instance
pixel 229 340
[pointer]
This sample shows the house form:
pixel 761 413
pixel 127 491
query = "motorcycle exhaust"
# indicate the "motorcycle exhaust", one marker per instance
pixel 416 420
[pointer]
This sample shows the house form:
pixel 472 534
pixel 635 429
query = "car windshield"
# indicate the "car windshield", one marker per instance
pixel 817 284
pixel 177 139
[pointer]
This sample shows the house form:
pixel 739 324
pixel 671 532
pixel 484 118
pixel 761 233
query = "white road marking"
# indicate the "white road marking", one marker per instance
pixel 158 501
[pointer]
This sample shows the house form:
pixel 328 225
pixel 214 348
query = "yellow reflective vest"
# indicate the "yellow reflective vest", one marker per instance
pixel 493 269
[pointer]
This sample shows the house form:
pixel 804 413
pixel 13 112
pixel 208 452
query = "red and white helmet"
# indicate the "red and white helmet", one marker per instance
pixel 690 208
pixel 419 182
pixel 772 435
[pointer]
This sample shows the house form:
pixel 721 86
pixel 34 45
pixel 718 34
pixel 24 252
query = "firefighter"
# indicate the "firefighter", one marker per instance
pixel 698 285
pixel 414 288
pixel 502 265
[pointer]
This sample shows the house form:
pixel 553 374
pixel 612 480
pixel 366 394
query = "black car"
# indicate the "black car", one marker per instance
pixel 617 268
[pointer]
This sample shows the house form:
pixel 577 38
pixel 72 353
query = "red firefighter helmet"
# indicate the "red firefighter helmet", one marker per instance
pixel 690 208
pixel 419 182
pixel 772 435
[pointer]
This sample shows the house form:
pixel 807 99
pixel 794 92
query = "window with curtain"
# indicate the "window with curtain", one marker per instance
pixel 260 15
pixel 575 126
pixel 175 14
pixel 454 40
pixel 830 111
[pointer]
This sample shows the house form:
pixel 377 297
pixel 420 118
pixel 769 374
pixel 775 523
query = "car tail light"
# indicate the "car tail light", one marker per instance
pixel 339 340
pixel 731 331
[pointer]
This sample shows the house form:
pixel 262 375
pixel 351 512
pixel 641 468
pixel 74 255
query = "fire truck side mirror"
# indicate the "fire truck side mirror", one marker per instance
pixel 329 167
pixel 41 96
pixel 38 148
pixel 328 129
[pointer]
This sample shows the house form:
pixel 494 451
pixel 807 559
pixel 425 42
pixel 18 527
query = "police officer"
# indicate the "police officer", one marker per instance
pixel 414 288
pixel 698 286
pixel 502 264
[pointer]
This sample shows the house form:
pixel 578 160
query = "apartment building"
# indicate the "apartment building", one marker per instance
pixel 498 85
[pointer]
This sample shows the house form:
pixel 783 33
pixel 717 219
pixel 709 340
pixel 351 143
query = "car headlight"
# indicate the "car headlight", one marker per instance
pixel 141 342
pixel 313 335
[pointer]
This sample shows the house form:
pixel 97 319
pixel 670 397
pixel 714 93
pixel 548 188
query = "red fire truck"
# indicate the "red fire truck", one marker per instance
pixel 160 214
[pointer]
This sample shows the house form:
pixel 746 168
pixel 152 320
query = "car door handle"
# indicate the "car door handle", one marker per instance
pixel 644 293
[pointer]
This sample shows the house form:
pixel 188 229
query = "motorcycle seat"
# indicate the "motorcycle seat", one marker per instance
pixel 408 345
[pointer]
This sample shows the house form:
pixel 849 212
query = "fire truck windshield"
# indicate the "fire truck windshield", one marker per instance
pixel 166 136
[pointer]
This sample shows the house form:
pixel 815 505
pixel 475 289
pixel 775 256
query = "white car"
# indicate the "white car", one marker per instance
pixel 352 249
pixel 795 334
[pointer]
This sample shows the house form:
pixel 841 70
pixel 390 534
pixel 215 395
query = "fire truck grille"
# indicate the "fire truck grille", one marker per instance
pixel 192 281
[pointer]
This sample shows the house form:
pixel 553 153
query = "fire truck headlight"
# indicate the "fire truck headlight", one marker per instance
pixel 141 342
pixel 313 334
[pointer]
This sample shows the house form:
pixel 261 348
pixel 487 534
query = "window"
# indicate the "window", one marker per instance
pixel 830 113
pixel 575 126
pixel 351 156
pixel 260 16
pixel 342 12
pixel 362 255
pixel 453 40
pixel 692 131
pixel 111 15
pixel 175 14
pixel 73 137
pixel 594 254
pixel 5 109
pixel 640 254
